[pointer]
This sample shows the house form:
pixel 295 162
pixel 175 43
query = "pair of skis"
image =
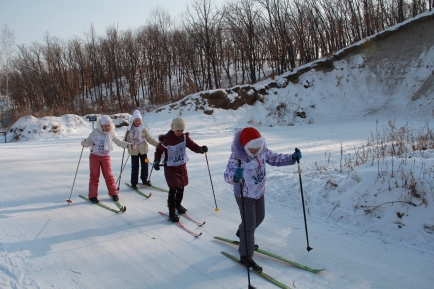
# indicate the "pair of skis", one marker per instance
pixel 139 191
pixel 179 224
pixel 272 255
pixel 121 209
pixel 146 186
pixel 154 187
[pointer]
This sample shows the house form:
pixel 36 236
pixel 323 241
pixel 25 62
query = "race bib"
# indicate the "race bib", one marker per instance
pixel 176 155
pixel 136 136
pixel 254 176
pixel 98 147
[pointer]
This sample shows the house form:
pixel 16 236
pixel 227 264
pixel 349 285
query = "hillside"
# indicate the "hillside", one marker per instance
pixel 389 72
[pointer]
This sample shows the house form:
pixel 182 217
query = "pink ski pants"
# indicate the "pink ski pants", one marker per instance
pixel 95 163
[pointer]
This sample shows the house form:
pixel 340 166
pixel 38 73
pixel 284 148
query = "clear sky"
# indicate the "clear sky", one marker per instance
pixel 30 20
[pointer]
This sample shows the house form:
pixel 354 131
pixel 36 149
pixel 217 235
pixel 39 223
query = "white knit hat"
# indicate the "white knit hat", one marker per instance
pixel 178 124
pixel 106 120
pixel 136 114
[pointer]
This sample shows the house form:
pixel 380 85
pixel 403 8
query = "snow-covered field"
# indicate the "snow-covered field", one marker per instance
pixel 368 224
pixel 46 243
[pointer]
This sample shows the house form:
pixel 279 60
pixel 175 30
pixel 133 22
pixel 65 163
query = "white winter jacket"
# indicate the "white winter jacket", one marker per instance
pixel 142 147
pixel 99 132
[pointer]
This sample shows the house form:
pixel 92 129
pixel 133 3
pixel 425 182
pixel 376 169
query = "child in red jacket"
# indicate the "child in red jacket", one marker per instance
pixel 174 144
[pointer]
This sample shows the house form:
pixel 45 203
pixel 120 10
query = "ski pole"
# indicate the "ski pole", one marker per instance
pixel 152 167
pixel 119 178
pixel 302 201
pixel 245 230
pixel 73 183
pixel 122 163
pixel 209 172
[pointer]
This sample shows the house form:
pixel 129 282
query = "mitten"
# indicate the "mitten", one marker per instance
pixel 296 156
pixel 238 174
pixel 156 165
pixel 204 149
pixel 84 143
pixel 133 146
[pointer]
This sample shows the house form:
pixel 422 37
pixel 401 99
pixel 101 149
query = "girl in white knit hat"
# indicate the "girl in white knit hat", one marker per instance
pixel 173 145
pixel 138 134
pixel 100 142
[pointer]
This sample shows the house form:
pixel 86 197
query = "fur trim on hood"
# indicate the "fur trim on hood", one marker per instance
pixel 98 125
pixel 238 148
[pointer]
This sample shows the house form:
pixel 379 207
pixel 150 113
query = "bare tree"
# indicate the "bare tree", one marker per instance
pixel 204 25
pixel 7 43
pixel 212 48
pixel 243 19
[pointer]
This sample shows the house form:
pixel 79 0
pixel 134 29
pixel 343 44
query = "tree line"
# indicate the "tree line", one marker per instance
pixel 207 48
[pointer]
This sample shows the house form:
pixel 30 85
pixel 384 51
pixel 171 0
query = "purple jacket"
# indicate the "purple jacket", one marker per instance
pixel 238 153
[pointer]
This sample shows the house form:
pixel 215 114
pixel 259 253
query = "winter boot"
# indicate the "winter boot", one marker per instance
pixel 134 187
pixel 173 216
pixel 115 198
pixel 94 200
pixel 249 263
pixel 147 183
pixel 181 210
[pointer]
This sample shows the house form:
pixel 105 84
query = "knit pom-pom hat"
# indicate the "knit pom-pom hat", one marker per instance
pixel 136 114
pixel 251 138
pixel 178 124
pixel 106 120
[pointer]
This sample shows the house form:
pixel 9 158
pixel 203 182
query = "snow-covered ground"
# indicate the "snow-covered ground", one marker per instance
pixel 370 225
pixel 46 243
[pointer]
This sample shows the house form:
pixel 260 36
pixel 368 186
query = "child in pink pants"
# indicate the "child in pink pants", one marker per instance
pixel 100 142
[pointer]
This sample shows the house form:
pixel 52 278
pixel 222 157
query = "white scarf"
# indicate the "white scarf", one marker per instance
pixel 136 134
pixel 108 141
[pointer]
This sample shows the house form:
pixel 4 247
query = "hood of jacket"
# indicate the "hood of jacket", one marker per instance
pixel 238 149
pixel 98 126
pixel 170 135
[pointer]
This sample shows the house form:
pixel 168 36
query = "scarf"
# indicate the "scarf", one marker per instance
pixel 108 141
pixel 136 134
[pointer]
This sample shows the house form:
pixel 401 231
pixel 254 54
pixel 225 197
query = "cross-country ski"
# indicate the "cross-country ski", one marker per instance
pixel 121 208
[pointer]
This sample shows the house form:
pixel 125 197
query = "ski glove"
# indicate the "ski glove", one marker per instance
pixel 133 146
pixel 296 156
pixel 84 143
pixel 238 174
pixel 156 165
pixel 204 149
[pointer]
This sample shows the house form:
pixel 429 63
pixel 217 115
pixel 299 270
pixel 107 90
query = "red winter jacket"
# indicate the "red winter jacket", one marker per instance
pixel 176 176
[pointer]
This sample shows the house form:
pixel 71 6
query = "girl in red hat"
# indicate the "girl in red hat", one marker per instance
pixel 246 166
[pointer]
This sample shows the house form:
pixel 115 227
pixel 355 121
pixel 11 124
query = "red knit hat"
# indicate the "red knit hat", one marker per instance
pixel 251 138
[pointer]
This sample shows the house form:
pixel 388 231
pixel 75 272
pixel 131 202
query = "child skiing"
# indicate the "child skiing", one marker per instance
pixel 138 134
pixel 100 143
pixel 174 145
pixel 250 150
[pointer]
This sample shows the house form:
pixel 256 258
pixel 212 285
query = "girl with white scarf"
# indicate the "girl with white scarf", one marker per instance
pixel 139 135
pixel 100 142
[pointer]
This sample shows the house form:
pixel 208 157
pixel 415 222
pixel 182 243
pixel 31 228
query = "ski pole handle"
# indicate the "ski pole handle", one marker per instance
pixel 298 158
